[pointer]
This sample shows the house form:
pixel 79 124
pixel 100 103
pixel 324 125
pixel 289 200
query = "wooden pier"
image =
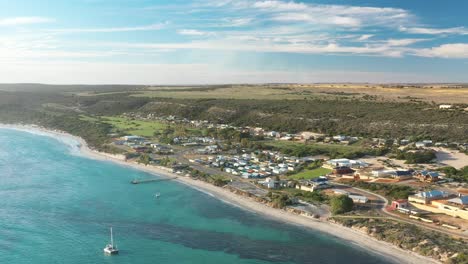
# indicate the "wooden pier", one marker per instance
pixel 152 180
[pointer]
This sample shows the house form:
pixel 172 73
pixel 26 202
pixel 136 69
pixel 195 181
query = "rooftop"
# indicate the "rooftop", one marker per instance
pixel 462 200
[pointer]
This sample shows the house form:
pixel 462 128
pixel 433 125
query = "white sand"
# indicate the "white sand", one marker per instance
pixel 452 158
pixel 355 237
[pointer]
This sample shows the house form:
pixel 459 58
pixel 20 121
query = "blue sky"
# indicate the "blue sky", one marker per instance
pixel 233 41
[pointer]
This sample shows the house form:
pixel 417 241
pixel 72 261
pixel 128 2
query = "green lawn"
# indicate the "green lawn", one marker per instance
pixel 311 174
pixel 135 127
pixel 88 118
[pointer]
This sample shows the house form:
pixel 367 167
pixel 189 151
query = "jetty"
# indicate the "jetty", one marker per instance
pixel 152 180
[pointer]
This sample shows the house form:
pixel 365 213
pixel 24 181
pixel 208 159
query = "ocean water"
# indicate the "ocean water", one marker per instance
pixel 57 206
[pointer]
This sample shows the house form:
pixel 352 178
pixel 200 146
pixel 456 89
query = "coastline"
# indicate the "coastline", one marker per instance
pixel 357 238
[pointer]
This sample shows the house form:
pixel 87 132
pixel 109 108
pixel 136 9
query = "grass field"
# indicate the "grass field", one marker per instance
pixel 235 92
pixel 88 118
pixel 437 93
pixel 135 127
pixel 311 174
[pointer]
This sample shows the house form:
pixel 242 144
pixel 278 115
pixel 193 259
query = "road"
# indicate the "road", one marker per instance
pixel 400 218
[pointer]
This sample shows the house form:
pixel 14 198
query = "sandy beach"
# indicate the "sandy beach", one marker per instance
pixel 352 236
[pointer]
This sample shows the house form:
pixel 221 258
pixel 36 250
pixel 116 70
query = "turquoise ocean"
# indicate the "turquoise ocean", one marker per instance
pixel 57 206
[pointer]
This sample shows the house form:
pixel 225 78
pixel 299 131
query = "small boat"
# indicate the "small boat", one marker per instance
pixel 111 249
pixel 156 195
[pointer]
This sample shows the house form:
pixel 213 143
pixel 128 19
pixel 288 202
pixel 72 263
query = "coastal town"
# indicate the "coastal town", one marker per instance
pixel 424 192
pixel 234 132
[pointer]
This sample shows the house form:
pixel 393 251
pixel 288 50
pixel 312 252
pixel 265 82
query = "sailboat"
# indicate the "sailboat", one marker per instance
pixel 111 249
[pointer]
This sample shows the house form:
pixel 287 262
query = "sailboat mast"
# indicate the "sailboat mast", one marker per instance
pixel 112 237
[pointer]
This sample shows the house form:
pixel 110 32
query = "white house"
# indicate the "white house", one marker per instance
pixel 445 106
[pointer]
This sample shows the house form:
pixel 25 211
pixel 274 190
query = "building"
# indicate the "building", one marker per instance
pixel 428 176
pixel 382 173
pixel 404 142
pixel 340 192
pixel 445 106
pixel 402 175
pixel 271 183
pixel 342 170
pixel 399 204
pixel 427 197
pixel 358 199
pixel 133 138
pixel 346 163
pixel 461 201
pixel 423 144
pixel 313 186
pixel 456 207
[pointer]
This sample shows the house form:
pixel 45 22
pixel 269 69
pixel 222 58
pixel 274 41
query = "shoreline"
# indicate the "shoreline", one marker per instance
pixel 356 238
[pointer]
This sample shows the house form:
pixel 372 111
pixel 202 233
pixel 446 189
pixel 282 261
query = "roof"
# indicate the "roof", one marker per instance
pixel 431 194
pixel 403 173
pixel 463 200
pixel 432 174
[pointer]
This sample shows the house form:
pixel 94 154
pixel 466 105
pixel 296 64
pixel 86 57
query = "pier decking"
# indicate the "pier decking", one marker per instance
pixel 152 180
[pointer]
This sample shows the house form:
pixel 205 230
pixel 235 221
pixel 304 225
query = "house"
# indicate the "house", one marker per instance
pixel 272 134
pixel 339 138
pixel 398 204
pixel 382 173
pixel 340 192
pixel 461 201
pixel 358 199
pixel 456 207
pixel 133 138
pixel 342 170
pixel 404 142
pixel 402 175
pixel 445 106
pixel 346 163
pixel 427 197
pixel 428 176
pixel 311 187
pixel 423 144
pixel 272 183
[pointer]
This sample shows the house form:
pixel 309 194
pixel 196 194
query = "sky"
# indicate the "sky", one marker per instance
pixel 233 41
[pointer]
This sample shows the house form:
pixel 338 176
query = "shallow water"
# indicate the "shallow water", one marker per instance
pixel 57 207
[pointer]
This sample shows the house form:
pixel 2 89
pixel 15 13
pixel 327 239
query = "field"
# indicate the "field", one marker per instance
pixel 135 127
pixel 437 93
pixel 333 150
pixel 311 174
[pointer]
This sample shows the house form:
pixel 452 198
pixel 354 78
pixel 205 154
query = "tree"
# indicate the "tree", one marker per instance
pixel 145 159
pixel 220 181
pixel 281 200
pixel 341 204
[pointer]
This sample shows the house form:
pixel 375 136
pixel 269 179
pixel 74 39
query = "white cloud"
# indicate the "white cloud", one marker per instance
pixel 435 31
pixel 235 22
pixel 254 45
pixel 193 32
pixel 403 42
pixel 279 5
pixel 316 14
pixel 365 37
pixel 310 18
pixel 110 29
pixel 21 21
pixel 457 50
